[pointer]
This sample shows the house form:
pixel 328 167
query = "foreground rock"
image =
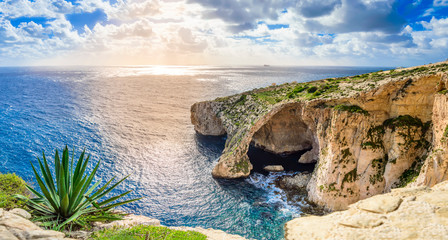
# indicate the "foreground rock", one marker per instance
pixel 367 134
pixel 13 226
pixel 405 213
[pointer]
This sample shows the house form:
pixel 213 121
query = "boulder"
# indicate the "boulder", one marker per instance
pixel 274 168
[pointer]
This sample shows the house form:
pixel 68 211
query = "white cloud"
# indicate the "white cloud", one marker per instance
pixel 440 3
pixel 220 32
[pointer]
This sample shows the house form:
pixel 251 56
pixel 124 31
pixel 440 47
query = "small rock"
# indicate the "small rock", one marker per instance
pixel 380 204
pixel 299 180
pixel 274 168
pixel 20 212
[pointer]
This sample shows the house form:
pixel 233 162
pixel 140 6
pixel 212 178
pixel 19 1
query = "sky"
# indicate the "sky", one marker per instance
pixel 223 32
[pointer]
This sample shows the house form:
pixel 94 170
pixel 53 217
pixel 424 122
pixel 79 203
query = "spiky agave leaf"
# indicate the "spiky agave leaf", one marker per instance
pixel 71 194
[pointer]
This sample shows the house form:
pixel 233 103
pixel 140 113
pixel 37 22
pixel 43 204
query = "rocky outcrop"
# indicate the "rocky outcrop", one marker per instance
pixel 435 167
pixel 205 121
pixel 405 213
pixel 14 225
pixel 367 134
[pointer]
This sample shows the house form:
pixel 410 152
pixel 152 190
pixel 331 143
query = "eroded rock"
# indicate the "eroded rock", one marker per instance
pixel 14 226
pixel 294 182
pixel 423 218
pixel 274 168
pixel 6 235
pixel 380 204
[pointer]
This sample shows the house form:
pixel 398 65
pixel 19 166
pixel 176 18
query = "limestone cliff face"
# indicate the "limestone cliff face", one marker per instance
pixel 405 213
pixel 367 134
pixel 204 119
pixel 435 167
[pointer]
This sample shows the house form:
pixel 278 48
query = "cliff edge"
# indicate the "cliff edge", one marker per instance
pixel 405 213
pixel 367 134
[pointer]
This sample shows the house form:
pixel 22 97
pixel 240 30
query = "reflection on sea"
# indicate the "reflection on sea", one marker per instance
pixel 137 121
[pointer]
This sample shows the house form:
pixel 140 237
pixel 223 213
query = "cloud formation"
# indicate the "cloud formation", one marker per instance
pixel 329 32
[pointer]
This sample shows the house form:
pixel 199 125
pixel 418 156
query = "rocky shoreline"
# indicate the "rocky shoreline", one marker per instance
pixel 15 224
pixel 367 134
pixel 404 213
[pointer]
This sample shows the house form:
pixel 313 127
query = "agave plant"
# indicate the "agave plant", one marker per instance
pixel 70 196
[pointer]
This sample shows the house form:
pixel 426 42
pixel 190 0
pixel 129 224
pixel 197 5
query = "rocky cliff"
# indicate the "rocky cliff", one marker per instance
pixel 367 133
pixel 405 213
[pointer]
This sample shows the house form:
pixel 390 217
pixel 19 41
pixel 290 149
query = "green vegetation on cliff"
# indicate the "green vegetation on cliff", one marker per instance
pixel 351 108
pixel 410 174
pixel 405 126
pixel 11 184
pixel 326 88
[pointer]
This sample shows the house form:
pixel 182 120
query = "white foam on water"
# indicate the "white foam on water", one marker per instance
pixel 275 195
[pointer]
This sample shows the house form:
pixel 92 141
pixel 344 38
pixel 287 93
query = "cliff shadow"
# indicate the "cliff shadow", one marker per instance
pixel 289 161
pixel 210 146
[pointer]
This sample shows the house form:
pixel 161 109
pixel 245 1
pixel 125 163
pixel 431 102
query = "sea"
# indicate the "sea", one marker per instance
pixel 136 120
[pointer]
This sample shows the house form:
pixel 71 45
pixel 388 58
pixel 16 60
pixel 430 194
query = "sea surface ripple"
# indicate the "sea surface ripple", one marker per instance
pixel 136 120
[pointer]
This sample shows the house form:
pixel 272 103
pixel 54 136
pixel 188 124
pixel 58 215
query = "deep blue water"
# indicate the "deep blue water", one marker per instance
pixel 137 121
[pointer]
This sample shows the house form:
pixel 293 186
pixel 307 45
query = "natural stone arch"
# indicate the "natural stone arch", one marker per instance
pixel 284 133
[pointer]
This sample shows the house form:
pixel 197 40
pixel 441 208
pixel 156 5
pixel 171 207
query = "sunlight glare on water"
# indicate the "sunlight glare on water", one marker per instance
pixel 137 121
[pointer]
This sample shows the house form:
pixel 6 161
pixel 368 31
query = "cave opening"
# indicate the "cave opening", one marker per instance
pixel 284 143
pixel 260 159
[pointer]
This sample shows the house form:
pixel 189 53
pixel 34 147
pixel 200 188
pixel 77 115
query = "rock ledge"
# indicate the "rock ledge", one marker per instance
pixel 405 213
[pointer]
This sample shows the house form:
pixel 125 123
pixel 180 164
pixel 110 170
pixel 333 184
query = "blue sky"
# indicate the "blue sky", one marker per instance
pixel 223 32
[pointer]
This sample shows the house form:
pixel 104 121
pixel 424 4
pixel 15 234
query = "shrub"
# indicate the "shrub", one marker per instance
pixel 312 89
pixel 11 184
pixel 351 108
pixel 70 197
pixel 147 232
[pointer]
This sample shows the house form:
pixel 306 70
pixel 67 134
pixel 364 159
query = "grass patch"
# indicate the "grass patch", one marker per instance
pixel 296 90
pixel 271 97
pixel 11 184
pixel 146 232
pixel 351 108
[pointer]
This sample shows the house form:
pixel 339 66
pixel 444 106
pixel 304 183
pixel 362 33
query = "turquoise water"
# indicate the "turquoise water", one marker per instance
pixel 137 121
